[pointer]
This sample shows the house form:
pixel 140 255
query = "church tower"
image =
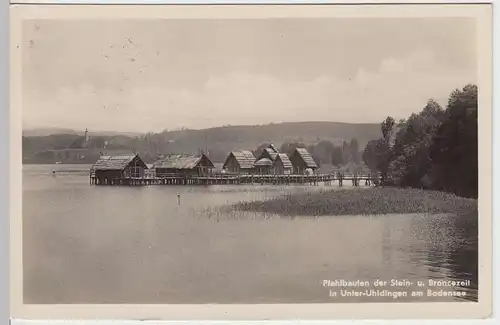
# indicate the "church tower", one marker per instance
pixel 86 139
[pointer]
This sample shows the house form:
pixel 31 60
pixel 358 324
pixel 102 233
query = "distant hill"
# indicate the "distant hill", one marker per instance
pixel 219 141
pixel 40 132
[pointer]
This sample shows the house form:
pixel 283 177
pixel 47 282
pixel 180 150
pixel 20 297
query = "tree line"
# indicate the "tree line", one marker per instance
pixel 434 149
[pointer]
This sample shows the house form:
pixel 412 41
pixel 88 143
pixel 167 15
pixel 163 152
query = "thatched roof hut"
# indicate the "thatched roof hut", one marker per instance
pixel 264 162
pixel 240 161
pixel 301 160
pixel 183 164
pixel 108 169
pixel 264 166
pixel 285 160
pixel 118 162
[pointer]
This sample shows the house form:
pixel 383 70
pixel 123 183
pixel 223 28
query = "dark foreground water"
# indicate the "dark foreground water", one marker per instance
pixel 87 244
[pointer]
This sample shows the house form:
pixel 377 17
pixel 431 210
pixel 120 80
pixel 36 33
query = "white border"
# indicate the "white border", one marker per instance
pixel 390 307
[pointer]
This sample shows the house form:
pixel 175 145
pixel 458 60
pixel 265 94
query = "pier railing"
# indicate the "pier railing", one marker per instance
pixel 150 178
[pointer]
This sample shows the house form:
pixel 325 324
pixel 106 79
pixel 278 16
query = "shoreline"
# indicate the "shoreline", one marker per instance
pixel 362 201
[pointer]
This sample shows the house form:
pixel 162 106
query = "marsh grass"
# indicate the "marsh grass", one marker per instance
pixel 371 201
pixel 229 213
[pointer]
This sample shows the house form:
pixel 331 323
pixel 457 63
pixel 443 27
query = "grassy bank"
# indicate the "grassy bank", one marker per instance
pixel 369 201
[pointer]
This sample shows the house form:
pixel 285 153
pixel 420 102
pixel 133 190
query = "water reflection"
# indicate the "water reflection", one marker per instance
pixel 464 258
pixel 86 244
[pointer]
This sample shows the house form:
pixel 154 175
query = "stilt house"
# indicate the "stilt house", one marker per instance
pixel 282 164
pixel 241 161
pixel 183 165
pixel 301 160
pixel 264 166
pixel 110 169
pixel 265 162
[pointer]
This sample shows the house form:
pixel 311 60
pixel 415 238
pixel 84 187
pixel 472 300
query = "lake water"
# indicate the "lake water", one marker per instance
pixel 88 244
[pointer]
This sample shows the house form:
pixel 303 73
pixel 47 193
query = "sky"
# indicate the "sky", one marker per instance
pixel 151 75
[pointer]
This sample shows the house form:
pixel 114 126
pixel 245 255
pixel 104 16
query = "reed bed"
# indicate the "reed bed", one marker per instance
pixel 228 213
pixel 371 201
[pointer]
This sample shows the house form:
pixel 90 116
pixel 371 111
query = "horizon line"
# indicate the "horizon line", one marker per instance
pixel 34 128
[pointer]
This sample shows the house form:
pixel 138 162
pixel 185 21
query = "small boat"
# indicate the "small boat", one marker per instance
pixel 58 162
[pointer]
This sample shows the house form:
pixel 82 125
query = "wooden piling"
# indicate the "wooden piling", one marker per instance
pixel 326 179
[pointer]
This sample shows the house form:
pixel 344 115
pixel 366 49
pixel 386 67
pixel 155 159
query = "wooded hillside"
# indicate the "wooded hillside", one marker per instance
pixel 218 141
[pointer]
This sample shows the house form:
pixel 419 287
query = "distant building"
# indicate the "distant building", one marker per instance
pixel 86 139
pixel 241 161
pixel 282 165
pixel 110 168
pixel 181 164
pixel 301 160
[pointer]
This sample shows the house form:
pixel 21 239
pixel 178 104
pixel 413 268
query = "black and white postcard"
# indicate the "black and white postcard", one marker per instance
pixel 251 161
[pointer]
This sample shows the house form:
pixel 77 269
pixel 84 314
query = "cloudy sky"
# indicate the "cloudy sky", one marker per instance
pixel 150 75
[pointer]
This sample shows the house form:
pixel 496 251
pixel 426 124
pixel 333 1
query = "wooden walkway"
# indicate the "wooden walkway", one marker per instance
pixel 222 179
